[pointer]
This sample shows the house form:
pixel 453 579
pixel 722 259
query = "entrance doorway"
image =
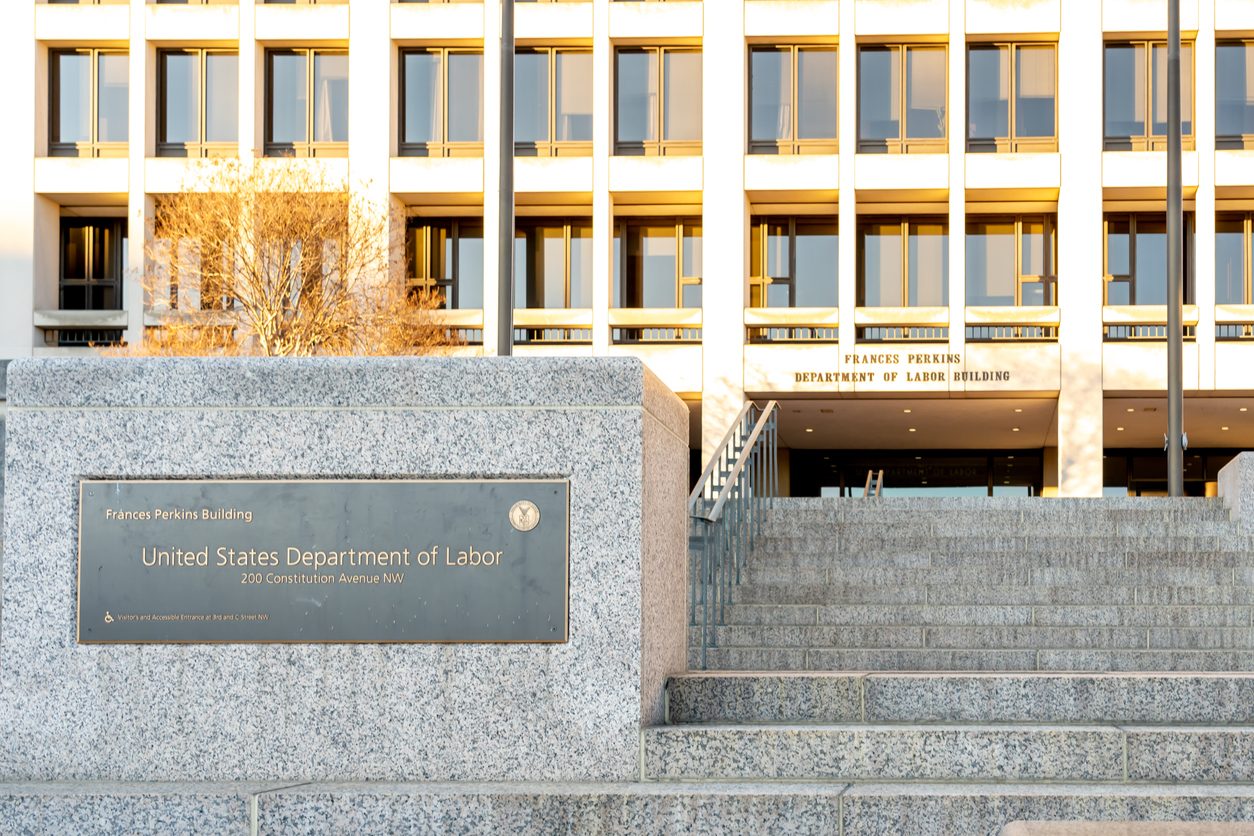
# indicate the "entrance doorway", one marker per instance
pixel 918 472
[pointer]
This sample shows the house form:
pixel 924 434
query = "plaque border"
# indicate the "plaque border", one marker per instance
pixel 78 562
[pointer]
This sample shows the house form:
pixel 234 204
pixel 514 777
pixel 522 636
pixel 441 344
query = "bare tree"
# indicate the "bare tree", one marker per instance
pixel 276 258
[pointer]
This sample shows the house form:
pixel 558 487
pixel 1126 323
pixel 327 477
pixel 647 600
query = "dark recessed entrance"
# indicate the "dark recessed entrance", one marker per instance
pixel 917 472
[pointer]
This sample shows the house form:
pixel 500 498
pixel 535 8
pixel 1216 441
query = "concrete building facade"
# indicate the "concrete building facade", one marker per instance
pixel 931 229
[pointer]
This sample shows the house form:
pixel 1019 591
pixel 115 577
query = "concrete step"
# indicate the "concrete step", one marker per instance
pixel 937 659
pixel 1187 699
pixel 1076 558
pixel 1047 615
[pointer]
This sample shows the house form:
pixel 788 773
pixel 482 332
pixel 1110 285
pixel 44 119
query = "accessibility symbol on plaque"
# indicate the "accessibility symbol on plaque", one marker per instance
pixel 524 515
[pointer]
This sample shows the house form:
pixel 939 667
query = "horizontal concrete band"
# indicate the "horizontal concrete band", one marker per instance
pixel 659 808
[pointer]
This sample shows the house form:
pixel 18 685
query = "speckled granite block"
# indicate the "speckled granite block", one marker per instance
pixel 1191 753
pixel 346 712
pixel 106 808
pixel 1236 489
pixel 884 752
pixel 764 698
pixel 983 809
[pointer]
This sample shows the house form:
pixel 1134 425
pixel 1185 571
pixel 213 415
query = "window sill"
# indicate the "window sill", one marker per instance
pixel 89 149
pixel 784 148
pixel 1012 146
pixel 1141 143
pixel 306 150
pixel 654 149
pixel 436 149
pixel 903 146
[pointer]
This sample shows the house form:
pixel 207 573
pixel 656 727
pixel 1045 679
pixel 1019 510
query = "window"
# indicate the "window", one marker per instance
pixel 1000 121
pixel 553 104
pixel 88 109
pixel 902 112
pixel 553 264
pixel 1010 261
pixel 792 100
pixel 306 103
pixel 441 103
pixel 1136 259
pixel 1234 95
pixel 197 103
pixel 657 264
pixel 658 101
pixel 1136 95
pixel 446 256
pixel 1233 258
pixel 93 256
pixel 903 263
pixel 793 262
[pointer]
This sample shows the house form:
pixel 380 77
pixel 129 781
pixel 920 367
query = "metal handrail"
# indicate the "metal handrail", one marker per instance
pixel 726 510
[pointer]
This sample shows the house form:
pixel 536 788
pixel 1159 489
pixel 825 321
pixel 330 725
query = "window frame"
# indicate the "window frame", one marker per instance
pixel 444 147
pixel 553 147
pixel 93 147
pixel 659 147
pixel 794 145
pixel 680 225
pixel 201 147
pixel 905 222
pixel 759 281
pixel 421 279
pixel 91 226
pixel 309 147
pixel 903 144
pixel 1012 144
pixel 1109 278
pixel 1049 278
pixel 1247 256
pixel 521 225
pixel 1231 141
pixel 1149 141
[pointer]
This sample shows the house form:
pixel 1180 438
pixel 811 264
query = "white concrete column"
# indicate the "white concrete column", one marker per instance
pixel 1080 250
pixel 602 200
pixel 18 273
pixel 251 83
pixel 957 176
pixel 141 136
pixel 847 206
pixel 370 112
pixel 725 219
pixel 1204 201
pixel 491 169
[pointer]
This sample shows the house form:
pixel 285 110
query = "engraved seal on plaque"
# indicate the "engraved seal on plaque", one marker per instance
pixel 524 515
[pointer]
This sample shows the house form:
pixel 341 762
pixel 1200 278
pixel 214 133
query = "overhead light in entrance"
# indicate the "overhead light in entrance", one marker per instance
pixel 912 429
pixel 1014 429
pixel 1244 409
pixel 1118 430
pixel 1225 429
pixel 809 429
pixel 907 411
pixel 1131 409
pixel 1017 409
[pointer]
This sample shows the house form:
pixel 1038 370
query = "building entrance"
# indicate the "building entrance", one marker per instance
pixel 918 472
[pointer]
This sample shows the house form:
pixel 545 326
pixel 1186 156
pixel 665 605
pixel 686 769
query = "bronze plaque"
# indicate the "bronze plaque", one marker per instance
pixel 323 561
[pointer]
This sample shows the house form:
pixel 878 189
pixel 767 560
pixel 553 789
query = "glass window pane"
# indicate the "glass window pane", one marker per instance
pixel 690 296
pixel 465 88
pixel 1151 262
pixel 988 78
pixel 74 252
pixel 692 251
pixel 637 78
pixel 928 276
pixel 180 72
pixel 1229 261
pixel 470 266
pixel 879 86
pixel 682 98
pixel 770 94
pixel 1125 90
pixel 531 103
pixel 1118 247
pixel 816 94
pixel 581 265
pixel 330 97
pixel 105 263
pixel 991 263
pixel 73 97
pixel 925 92
pixel 1033 249
pixel 1234 89
pixel 1159 80
pixel 574 97
pixel 550 277
pixel 422 97
pixel 222 97
pixel 778 255
pixel 882 262
pixel 112 104
pixel 652 266
pixel 816 259
pixel 1034 91
pixel 287 97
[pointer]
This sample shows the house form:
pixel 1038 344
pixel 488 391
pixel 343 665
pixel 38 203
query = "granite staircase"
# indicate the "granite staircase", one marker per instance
pixel 998 584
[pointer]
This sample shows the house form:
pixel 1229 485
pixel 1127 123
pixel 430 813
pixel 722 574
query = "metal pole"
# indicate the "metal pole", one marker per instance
pixel 505 262
pixel 1175 261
